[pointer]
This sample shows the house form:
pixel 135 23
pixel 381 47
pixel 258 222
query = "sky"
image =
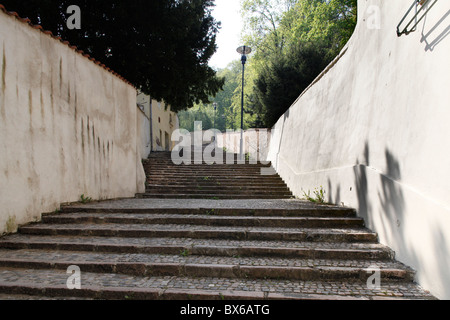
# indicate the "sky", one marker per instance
pixel 228 38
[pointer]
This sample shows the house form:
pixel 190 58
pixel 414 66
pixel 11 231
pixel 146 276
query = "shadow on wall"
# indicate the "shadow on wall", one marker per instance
pixel 390 215
pixel 337 199
pixel 361 184
pixel 391 202
pixel 430 44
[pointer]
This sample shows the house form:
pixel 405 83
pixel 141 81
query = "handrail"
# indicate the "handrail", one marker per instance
pixel 422 3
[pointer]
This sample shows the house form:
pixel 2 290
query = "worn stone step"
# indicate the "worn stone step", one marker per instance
pixel 242 221
pixel 211 196
pixel 203 232
pixel 197 266
pixel 215 183
pixel 210 174
pixel 207 162
pixel 203 247
pixel 306 210
pixel 53 283
pixel 242 181
pixel 202 170
pixel 219 189
pixel 250 188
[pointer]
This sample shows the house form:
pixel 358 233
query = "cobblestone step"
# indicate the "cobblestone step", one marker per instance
pixel 250 188
pixel 208 191
pixel 215 184
pixel 53 283
pixel 242 221
pixel 212 196
pixel 213 207
pixel 197 266
pixel 203 232
pixel 203 247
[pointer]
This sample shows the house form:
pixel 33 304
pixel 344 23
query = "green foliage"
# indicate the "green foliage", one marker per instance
pixel 184 253
pixel 162 47
pixel 319 195
pixel 293 41
pixel 84 199
pixel 228 100
pixel 281 82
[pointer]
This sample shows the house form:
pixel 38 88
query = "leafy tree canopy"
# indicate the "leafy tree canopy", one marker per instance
pixel 162 47
pixel 293 40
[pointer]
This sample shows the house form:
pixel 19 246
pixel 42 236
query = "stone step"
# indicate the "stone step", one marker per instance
pixel 201 168
pixel 206 162
pixel 240 178
pixel 194 173
pixel 203 232
pixel 211 183
pixel 53 283
pixel 223 188
pixel 202 247
pixel 242 221
pixel 304 211
pixel 197 266
pixel 219 190
pixel 211 196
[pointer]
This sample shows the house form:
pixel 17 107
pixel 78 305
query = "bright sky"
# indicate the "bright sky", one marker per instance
pixel 228 38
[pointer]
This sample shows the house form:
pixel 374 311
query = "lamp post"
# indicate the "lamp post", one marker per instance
pixel 214 125
pixel 215 108
pixel 244 50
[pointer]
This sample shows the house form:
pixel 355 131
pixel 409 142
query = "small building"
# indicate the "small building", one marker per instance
pixel 162 122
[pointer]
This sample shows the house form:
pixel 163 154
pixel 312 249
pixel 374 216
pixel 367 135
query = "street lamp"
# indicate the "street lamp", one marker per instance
pixel 244 50
pixel 214 125
pixel 215 108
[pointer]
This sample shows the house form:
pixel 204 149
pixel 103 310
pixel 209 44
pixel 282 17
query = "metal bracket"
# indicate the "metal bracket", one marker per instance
pixel 422 12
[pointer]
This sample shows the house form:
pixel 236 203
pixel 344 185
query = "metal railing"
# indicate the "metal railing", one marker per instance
pixel 422 12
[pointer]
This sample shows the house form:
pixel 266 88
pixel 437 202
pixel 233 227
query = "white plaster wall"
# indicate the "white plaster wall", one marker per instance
pixel 144 134
pixel 67 127
pixel 373 130
pixel 256 142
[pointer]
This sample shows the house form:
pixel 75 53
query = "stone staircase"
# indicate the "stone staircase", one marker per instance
pixel 232 179
pixel 202 232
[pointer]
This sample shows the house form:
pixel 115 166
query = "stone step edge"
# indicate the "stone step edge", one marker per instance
pixel 206 234
pixel 133 293
pixel 214 186
pixel 284 222
pixel 218 190
pixel 203 250
pixel 316 211
pixel 229 271
pixel 211 196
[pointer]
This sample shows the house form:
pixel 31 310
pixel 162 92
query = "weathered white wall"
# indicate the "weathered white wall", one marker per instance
pixel 374 132
pixel 144 133
pixel 256 142
pixel 67 127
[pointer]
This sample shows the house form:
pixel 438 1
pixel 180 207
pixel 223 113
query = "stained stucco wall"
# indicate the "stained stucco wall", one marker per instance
pixel 256 143
pixel 374 132
pixel 67 127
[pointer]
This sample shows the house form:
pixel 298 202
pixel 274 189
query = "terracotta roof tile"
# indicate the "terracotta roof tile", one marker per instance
pixel 39 27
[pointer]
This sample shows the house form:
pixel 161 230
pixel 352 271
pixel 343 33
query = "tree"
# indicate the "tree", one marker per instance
pixel 278 86
pixel 294 41
pixel 162 47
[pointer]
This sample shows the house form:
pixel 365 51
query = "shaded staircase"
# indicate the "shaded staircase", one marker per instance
pixel 233 235
pixel 231 179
